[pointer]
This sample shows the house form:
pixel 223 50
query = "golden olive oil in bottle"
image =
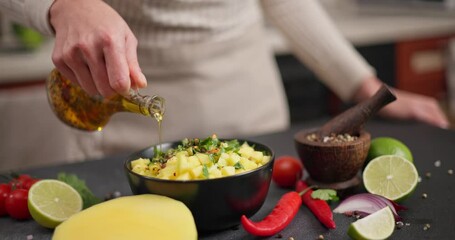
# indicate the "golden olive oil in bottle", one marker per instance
pixel 76 108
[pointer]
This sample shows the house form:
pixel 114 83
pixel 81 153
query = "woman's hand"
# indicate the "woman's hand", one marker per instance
pixel 408 106
pixel 94 47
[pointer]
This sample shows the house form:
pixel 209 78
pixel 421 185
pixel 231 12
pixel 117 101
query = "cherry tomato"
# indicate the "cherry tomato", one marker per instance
pixel 18 181
pixel 29 183
pixel 5 190
pixel 16 204
pixel 287 170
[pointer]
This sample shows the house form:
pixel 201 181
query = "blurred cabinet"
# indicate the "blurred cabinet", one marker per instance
pixel 422 65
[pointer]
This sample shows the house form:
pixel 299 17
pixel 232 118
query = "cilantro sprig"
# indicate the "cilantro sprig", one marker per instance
pixel 88 198
pixel 325 194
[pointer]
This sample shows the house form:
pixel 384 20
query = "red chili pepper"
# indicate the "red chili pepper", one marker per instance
pixel 281 215
pixel 319 207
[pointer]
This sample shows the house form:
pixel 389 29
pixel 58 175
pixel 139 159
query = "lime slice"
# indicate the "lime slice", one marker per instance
pixel 378 225
pixel 51 202
pixel 390 176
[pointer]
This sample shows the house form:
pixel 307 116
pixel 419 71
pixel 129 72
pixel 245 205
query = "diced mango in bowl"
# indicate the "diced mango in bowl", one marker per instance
pixel 198 159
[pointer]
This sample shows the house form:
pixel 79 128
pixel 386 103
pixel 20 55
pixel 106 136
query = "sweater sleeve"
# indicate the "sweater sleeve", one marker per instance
pixel 31 13
pixel 318 44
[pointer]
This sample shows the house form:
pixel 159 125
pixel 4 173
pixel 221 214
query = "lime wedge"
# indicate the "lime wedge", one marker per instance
pixel 51 202
pixel 390 176
pixel 378 225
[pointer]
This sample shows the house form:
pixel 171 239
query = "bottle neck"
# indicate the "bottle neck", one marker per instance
pixel 145 105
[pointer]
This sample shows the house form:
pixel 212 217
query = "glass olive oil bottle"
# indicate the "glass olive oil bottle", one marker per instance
pixel 76 108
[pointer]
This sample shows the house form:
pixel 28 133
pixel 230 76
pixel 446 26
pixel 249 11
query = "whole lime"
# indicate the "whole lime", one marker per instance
pixel 388 146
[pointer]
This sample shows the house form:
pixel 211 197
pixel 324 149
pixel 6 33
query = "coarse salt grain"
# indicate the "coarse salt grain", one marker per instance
pixel 426 227
pixel 437 163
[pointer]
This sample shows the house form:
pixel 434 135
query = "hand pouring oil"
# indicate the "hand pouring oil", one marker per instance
pixel 76 108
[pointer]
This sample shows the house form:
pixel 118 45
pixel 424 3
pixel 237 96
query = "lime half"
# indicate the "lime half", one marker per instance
pixel 378 225
pixel 51 202
pixel 390 176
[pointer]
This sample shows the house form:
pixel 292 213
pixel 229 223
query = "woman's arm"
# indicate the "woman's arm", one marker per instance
pixel 317 42
pixel 408 105
pixel 94 47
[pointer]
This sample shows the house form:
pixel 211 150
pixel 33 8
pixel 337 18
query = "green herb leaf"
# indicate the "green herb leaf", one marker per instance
pixel 213 158
pixel 88 198
pixel 209 143
pixel 325 194
pixel 232 145
pixel 205 171
pixel 238 165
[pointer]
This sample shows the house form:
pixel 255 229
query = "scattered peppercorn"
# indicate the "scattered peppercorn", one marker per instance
pixel 428 175
pixel 291 238
pixel 320 237
pixel 450 171
pixel 424 196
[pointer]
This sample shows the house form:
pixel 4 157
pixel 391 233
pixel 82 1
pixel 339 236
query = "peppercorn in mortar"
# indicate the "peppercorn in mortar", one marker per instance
pixel 198 159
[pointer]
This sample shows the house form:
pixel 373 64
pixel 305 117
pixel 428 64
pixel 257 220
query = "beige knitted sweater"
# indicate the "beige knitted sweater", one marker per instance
pixel 168 22
pixel 212 62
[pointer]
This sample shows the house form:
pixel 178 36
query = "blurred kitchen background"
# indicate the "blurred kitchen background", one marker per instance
pixel 410 43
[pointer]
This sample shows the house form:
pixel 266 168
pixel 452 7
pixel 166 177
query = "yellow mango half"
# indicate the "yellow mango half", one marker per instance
pixel 137 217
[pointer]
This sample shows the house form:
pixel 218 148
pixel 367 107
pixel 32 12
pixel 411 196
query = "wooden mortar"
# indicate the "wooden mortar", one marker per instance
pixel 332 163
pixel 336 164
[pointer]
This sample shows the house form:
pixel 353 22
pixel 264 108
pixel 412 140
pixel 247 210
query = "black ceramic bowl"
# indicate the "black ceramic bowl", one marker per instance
pixel 215 203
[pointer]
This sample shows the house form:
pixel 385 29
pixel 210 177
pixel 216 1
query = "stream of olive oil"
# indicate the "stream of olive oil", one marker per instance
pixel 159 119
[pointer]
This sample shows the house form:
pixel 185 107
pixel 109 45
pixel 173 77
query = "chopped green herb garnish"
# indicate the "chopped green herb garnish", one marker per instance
pixel 211 146
pixel 213 158
pixel 325 194
pixel 232 145
pixel 238 165
pixel 205 171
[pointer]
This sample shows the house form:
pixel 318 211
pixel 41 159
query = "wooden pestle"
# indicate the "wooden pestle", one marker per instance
pixel 352 120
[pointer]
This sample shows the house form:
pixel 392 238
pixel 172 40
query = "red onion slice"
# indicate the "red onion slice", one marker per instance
pixel 364 204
